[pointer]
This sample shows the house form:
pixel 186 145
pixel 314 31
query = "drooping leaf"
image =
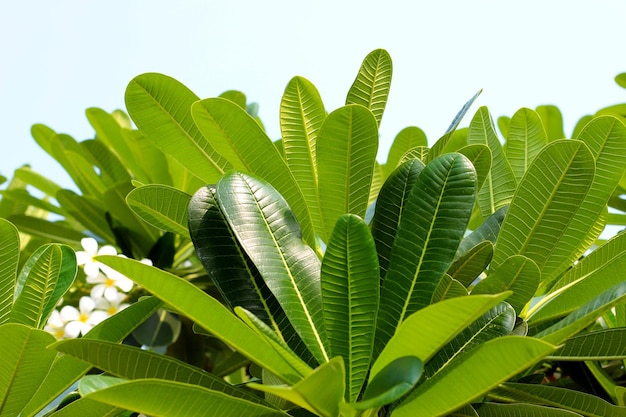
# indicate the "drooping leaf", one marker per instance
pixel 389 208
pixel 437 211
pixel 556 182
pixel 267 230
pixel 526 137
pixel 233 133
pixel 499 185
pixel 350 285
pixel 160 106
pixel 25 362
pixel 301 116
pixel 371 86
pixel 486 366
pixel 9 257
pixel 347 144
pixel 162 206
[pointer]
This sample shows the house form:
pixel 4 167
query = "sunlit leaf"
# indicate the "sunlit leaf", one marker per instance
pixel 371 86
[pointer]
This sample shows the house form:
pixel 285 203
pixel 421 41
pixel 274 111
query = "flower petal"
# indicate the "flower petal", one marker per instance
pixel 90 245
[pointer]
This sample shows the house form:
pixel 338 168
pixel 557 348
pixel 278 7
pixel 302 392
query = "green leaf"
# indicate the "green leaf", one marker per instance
pixel 518 274
pixel 153 167
pixel 321 392
pixel 88 212
pixel 67 370
pixel 503 123
pixel 439 147
pixel 595 273
pixel 207 312
pixel 586 404
pixel 437 211
pixel 552 121
pixel 9 260
pixel 159 398
pixel 526 137
pixel 409 138
pixel 236 97
pixel 556 182
pixel 350 284
pixel 87 408
pixel 526 410
pixel 162 206
pixel 392 382
pixel 473 375
pixel 111 169
pixel 45 185
pixel 389 208
pixel 599 345
pixel 606 139
pixel 480 157
pixel 243 142
pixel 346 151
pixel 419 152
pixel 134 363
pixel 301 116
pixel 584 315
pixel 489 230
pixel 25 362
pixel 472 263
pixel 161 107
pixel 498 188
pixel 57 231
pixel 448 288
pixel 371 86
pixel 262 222
pixel 434 326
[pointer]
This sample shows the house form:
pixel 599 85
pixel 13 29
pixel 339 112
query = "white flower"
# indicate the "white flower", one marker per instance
pixel 112 306
pixel 83 319
pixel 56 325
pixel 107 284
pixel 85 258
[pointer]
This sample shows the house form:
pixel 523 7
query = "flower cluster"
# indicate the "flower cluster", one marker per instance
pixel 107 295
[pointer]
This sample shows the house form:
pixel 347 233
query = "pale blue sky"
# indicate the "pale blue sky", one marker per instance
pixel 60 57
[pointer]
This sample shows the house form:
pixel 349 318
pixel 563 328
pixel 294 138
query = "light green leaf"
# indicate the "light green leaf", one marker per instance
pixel 503 125
pixel 433 223
pixel 480 157
pixel 350 284
pixel 518 274
pixel 371 86
pixel 301 116
pixel 53 231
pixel 526 137
pixel 153 166
pixel 85 407
pixel 133 363
pixel 448 288
pixel 162 206
pixel 161 107
pixel 159 398
pixel 516 410
pixel 498 188
pixel 434 326
pixel 25 362
pixel 110 168
pixel 580 402
pixel 204 310
pixel 243 142
pixel 9 257
pixel 347 144
pixel 409 138
pixel 556 182
pixel 42 183
pixel 88 212
pixel 599 345
pixel 265 227
pixel 473 375
pixel 419 152
pixel 67 370
pixel 552 121
pixel 321 392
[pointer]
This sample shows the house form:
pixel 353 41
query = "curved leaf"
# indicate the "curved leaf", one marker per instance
pixel 347 144
pixel 238 137
pixel 350 283
pixel 262 222
pixel 408 138
pixel 25 362
pixel 526 410
pixel 9 257
pixel 480 157
pixel 526 137
pixel 498 188
pixel 162 206
pixel 160 106
pixel 434 326
pixel 518 274
pixel 206 311
pixel 389 208
pixel 472 263
pixel 599 345
pixel 489 230
pixel 556 182
pixel 482 369
pixel 371 86
pixel 159 398
pixel 552 121
pixel 301 116
pixel 437 211
pixel 448 288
